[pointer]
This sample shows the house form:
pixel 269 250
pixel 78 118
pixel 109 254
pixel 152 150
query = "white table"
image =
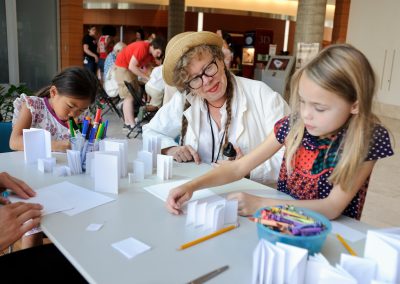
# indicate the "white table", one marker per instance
pixel 138 214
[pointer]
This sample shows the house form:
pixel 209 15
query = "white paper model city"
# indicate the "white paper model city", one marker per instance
pixel 281 263
pixel 106 166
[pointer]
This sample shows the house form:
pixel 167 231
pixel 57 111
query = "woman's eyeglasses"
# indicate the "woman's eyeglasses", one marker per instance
pixel 209 71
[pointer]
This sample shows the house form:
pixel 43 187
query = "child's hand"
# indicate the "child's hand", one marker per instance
pixel 60 146
pixel 248 204
pixel 176 198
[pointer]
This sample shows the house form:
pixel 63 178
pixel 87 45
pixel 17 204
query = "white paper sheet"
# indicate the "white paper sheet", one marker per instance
pixel 162 190
pixel 49 199
pixel 70 195
pixel 130 247
pixel 346 232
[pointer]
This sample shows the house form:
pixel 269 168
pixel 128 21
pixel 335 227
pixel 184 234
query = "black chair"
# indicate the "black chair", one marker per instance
pixel 140 106
pixel 111 103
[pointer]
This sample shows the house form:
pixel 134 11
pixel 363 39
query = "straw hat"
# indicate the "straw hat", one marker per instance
pixel 180 44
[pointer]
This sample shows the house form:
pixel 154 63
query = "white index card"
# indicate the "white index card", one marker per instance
pixel 152 145
pixel 130 247
pixel 94 227
pixel 231 211
pixel 46 165
pixel 106 175
pixel 147 158
pixel 138 171
pixel 74 161
pixel 219 217
pixel 121 146
pixel 362 269
pixel 37 144
pixel 295 263
pixel 164 166
pixel 191 212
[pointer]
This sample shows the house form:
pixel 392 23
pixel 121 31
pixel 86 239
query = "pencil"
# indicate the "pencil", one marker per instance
pixel 202 239
pixel 346 245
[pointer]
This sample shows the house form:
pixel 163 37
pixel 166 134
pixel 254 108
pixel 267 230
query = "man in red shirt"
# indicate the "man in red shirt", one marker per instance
pixel 129 64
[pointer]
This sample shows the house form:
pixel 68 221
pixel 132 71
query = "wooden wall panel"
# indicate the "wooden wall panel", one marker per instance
pixel 152 18
pixel 71 28
pixel 159 19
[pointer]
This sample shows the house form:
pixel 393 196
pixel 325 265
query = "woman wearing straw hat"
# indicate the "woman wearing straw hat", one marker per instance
pixel 214 108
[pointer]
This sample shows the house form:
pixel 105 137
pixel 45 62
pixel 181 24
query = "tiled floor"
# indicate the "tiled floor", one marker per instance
pixel 382 207
pixel 383 199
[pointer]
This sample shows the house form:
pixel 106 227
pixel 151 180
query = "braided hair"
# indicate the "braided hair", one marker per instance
pixel 181 76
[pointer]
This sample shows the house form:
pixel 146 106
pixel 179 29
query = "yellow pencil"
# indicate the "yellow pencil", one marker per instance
pixel 202 239
pixel 346 245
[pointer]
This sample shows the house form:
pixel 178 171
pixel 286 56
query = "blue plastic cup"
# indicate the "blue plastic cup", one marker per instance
pixel 312 243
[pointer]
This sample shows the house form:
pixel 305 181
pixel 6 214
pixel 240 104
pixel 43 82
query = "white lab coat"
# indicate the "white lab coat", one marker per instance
pixel 258 110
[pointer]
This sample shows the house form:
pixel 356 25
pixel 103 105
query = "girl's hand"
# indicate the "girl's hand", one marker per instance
pixel 60 146
pixel 176 198
pixel 248 204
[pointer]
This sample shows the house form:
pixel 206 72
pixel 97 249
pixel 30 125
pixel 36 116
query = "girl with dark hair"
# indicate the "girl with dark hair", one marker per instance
pixel 70 93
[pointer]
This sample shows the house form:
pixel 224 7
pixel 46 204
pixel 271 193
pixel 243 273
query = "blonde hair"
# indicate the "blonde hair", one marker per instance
pixel 181 76
pixel 345 71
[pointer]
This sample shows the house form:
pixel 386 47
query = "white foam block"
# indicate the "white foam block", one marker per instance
pixel 138 171
pixel 147 158
pixel 37 144
pixel 106 176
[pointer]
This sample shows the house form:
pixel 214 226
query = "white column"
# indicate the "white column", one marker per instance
pixel 12 41
pixel 286 38
pixel 200 16
pixel 121 33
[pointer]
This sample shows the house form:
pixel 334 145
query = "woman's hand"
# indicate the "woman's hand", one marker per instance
pixel 248 204
pixel 183 154
pixel 176 198
pixel 60 146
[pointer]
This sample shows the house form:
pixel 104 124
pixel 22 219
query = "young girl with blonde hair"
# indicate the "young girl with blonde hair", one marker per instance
pixel 332 141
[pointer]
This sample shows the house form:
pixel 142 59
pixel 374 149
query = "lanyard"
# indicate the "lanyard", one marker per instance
pixel 213 139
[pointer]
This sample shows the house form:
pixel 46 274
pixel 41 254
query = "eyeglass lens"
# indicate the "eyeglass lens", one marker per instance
pixel 210 71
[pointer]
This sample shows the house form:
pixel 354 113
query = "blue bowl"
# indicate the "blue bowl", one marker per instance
pixel 312 243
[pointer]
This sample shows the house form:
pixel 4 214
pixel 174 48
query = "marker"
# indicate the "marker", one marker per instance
pixel 99 134
pixel 97 117
pixel 85 128
pixel 71 128
pixel 105 129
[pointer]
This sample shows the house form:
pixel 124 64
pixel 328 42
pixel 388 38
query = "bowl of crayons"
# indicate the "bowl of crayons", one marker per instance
pixel 291 225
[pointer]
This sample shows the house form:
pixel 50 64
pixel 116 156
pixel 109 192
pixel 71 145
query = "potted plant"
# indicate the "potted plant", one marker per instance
pixel 7 96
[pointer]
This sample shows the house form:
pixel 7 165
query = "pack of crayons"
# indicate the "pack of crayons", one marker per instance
pixel 287 220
